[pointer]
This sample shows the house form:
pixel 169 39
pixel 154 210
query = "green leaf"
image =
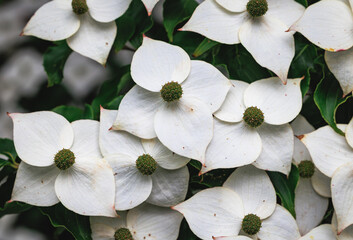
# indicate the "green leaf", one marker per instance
pixel 14 207
pixel 175 12
pixel 285 187
pixel 303 2
pixel 4 162
pixel 77 225
pixel 7 148
pixel 54 60
pixel 126 26
pixel 328 96
pixel 72 113
pixel 206 45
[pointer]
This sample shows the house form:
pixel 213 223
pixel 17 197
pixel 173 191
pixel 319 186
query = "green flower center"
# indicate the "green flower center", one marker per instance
pixel 123 234
pixel 171 91
pixel 79 6
pixel 64 159
pixel 306 169
pixel 253 116
pixel 257 8
pixel 146 164
pixel 251 224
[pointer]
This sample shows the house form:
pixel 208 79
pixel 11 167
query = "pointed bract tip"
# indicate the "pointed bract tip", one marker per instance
pixel 200 173
pixel 149 13
pixel 111 128
pixel 300 137
pixel 10 201
pixel 21 34
pixel 181 29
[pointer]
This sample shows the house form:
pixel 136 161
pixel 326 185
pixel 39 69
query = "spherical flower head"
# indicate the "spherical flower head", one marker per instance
pixel 306 169
pixel 146 164
pixel 123 234
pixel 254 117
pixel 64 159
pixel 171 91
pixel 251 224
pixel 257 8
pixel 79 6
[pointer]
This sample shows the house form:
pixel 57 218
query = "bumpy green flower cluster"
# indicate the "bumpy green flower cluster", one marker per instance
pixel 254 117
pixel 306 169
pixel 171 91
pixel 251 224
pixel 146 164
pixel 257 8
pixel 64 159
pixel 79 6
pixel 123 234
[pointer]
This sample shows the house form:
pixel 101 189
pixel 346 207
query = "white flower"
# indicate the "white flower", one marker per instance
pixel 149 4
pixel 346 234
pixel 251 127
pixel 144 170
pixel 88 26
pixel 248 194
pixel 313 189
pixel 259 25
pixel 333 156
pixel 329 25
pixel 61 162
pixel 174 99
pixel 145 222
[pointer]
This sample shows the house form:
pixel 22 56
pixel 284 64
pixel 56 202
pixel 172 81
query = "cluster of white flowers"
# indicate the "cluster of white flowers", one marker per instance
pixel 135 158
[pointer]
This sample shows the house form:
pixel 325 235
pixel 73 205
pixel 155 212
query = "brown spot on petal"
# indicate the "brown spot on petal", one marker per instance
pixel 300 137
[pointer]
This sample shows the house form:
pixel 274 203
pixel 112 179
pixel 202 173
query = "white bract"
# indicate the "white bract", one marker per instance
pixel 259 25
pixel 88 26
pixel 174 99
pixel 332 154
pixel 251 127
pixel 144 170
pixel 61 162
pixel 146 222
pixel 329 25
pixel 222 211
pixel 149 4
pixel 313 189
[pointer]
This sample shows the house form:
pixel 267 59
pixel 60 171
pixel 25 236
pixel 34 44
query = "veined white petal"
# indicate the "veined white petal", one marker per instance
pixel 86 140
pixel 340 64
pixel 156 63
pixel 301 126
pixel 287 11
pixel 149 4
pixel 185 127
pixel 53 21
pixel 169 187
pixel 328 149
pixel 232 238
pixel 137 111
pixel 232 145
pixel 255 189
pixel 216 23
pixel 349 133
pixel 347 234
pixel 103 228
pixel 132 188
pixel 322 232
pixel 163 156
pixel 233 6
pixel 277 148
pixel 152 222
pixel 233 107
pixel 87 188
pixel 112 142
pixel 321 183
pixel 213 212
pixel 206 83
pixel 310 207
pixel 38 136
pixel 279 226
pixel 108 10
pixel 279 103
pixel 328 24
pixel 35 185
pixel 93 39
pixel 275 50
pixel 342 192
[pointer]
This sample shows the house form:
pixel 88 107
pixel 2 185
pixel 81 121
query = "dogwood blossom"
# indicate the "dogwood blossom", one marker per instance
pixel 334 33
pixel 88 26
pixel 251 127
pixel 313 188
pixel 259 25
pixel 247 202
pixel 174 99
pixel 145 222
pixel 61 161
pixel 332 154
pixel 144 170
